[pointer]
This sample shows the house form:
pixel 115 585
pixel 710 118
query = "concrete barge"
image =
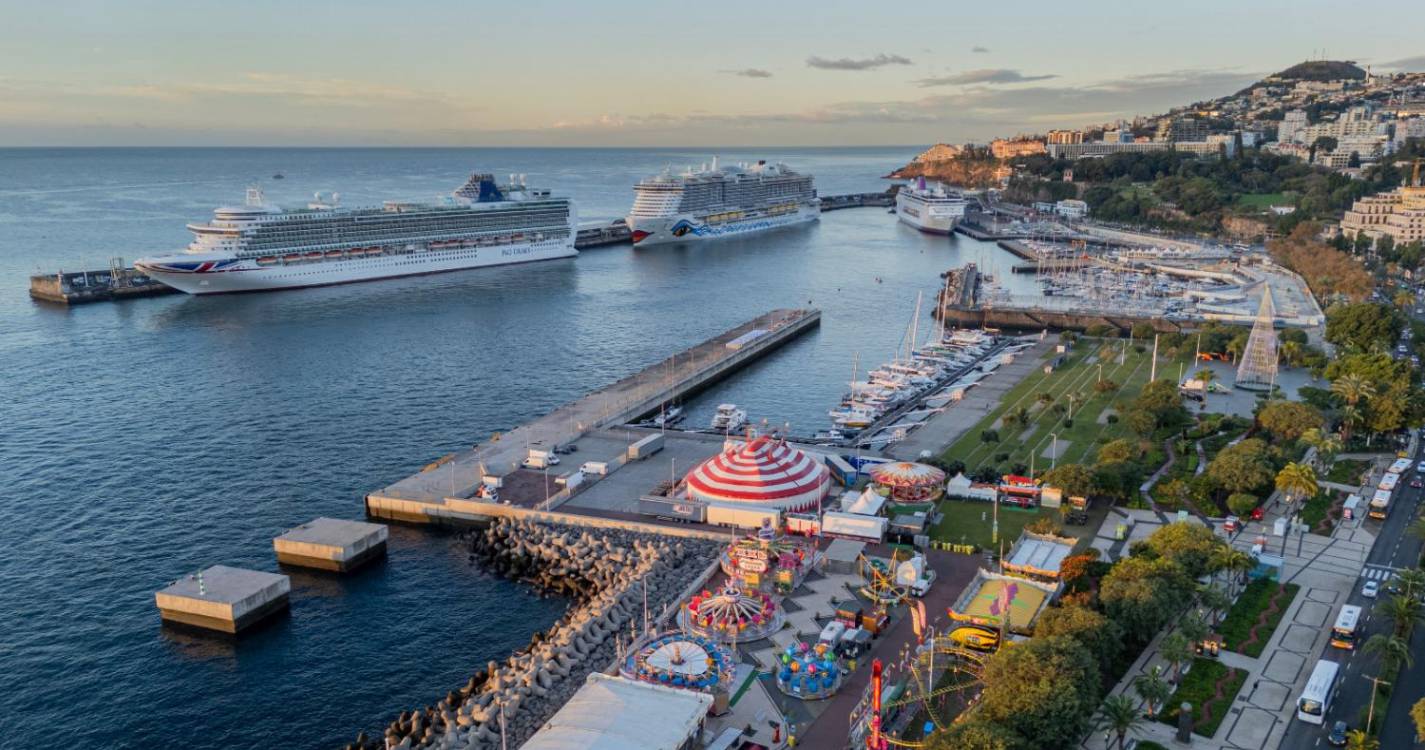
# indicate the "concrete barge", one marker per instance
pixel 434 494
pixel 331 544
pixel 223 599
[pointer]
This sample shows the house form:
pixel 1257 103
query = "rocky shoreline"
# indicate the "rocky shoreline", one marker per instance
pixel 603 570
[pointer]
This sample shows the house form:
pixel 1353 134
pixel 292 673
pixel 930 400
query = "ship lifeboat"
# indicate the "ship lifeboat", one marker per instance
pixel 293 258
pixel 267 260
pixel 334 254
pixel 374 250
pixel 312 256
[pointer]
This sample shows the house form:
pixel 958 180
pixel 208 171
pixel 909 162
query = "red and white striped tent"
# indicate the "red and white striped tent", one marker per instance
pixel 765 472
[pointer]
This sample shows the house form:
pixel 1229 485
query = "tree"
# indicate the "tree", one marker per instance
pixel 1176 651
pixel 1204 376
pixel 1357 739
pixel 1043 690
pixel 1241 503
pixel 1117 479
pixel 1363 326
pixel 1076 480
pixel 1214 601
pixel 1100 636
pixel 1242 467
pixel 1074 568
pixel 1403 614
pixel 1417 714
pixel 1143 595
pixel 1411 583
pixel 1154 689
pixel 1162 399
pixel 1326 444
pixel 1392 650
pixel 1141 421
pixel 1117 450
pixel 1120 715
pixel 976 733
pixel 1188 544
pixel 1236 564
pixel 1289 420
pixel 1297 481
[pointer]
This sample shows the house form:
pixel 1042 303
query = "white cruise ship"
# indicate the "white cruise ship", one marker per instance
pixel 259 246
pixel 932 210
pixel 720 202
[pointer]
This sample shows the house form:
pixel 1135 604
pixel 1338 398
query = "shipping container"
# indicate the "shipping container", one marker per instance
pixel 678 509
pixel 841 470
pixel 742 517
pixel 646 447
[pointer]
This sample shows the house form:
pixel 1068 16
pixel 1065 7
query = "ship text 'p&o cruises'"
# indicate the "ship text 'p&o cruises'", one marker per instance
pixel 720 202
pixel 259 246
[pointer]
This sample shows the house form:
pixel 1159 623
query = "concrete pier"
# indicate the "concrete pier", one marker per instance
pixel 80 287
pixel 422 497
pixel 228 600
pixel 331 544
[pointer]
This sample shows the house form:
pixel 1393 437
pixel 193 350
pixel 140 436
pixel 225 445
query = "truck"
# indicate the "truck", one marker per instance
pixel 540 458
pixel 672 508
pixel 915 575
pixel 646 447
pixel 747 518
pixel 853 526
pixel 842 471
pixel 807 524
pixel 1380 504
pixel 600 468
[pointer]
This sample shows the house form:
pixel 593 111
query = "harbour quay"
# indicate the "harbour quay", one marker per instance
pixel 81 287
pixel 422 497
pixel 224 599
pixel 331 544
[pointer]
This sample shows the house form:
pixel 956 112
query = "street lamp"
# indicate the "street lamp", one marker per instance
pixel 1054 450
pixel 1100 372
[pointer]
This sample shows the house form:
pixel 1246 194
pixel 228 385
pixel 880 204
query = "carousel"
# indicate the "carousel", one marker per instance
pixel 681 660
pixel 907 482
pixel 732 614
pixel 808 672
pixel 763 472
pixel 769 558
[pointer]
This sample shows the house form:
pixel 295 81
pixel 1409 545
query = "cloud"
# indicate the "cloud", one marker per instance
pixel 981 76
pixel 1416 63
pixel 750 73
pixel 847 63
pixel 979 50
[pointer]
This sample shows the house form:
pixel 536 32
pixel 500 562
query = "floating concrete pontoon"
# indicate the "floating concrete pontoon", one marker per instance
pixel 225 599
pixel 331 544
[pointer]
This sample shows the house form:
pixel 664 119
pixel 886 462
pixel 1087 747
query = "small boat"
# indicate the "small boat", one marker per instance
pixel 268 260
pixel 278 176
pixel 728 418
pixel 334 254
pixel 669 417
pixel 292 258
pixel 313 256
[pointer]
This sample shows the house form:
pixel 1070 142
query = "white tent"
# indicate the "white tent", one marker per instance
pixel 868 503
pixel 614 713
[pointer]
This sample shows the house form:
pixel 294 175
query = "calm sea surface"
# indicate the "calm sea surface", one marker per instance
pixel 143 440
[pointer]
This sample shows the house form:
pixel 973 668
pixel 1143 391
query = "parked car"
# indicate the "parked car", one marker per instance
pixel 1257 513
pixel 1416 483
pixel 1337 737
pixel 1371 590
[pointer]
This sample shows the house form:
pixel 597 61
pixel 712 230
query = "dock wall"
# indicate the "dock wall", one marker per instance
pixel 1035 320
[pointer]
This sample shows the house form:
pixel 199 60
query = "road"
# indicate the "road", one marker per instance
pixel 1394 549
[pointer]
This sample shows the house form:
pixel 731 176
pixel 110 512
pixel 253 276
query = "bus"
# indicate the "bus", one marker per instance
pixel 1380 504
pixel 1400 466
pixel 1315 700
pixel 1343 633
pixel 1388 482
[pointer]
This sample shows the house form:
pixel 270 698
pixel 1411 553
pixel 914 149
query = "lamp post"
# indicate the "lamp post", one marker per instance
pixel 1100 372
pixel 1054 450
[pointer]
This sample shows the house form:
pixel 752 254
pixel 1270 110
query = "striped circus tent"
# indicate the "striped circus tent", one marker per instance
pixel 765 472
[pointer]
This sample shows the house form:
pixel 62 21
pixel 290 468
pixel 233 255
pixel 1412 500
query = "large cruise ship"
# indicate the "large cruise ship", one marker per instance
pixel 259 246
pixel 928 209
pixel 720 202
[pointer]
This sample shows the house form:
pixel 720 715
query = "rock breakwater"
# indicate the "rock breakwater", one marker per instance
pixel 605 572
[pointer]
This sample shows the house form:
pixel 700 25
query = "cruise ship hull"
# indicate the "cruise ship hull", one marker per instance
pixel 681 228
pixel 926 218
pixel 229 276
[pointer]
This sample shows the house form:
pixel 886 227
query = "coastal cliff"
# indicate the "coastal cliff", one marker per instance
pixel 956 166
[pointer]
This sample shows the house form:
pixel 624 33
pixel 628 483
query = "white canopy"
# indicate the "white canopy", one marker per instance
pixel 869 503
pixel 614 713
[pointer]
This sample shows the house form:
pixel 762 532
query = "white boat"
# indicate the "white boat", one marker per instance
pixel 259 246
pixel 669 417
pixel 932 210
pixel 716 202
pixel 728 418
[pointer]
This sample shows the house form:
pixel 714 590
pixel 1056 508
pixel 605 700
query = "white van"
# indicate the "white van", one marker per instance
pixel 832 632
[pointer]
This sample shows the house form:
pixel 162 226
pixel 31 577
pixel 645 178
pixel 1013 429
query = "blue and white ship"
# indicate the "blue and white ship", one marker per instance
pixel 258 246
pixel 715 202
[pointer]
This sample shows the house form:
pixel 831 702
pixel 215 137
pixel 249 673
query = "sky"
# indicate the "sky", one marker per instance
pixel 632 73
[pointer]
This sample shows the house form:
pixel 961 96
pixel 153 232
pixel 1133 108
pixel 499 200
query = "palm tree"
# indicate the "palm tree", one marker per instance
pixel 1204 376
pixel 1240 564
pixel 1393 651
pixel 1417 529
pixel 1297 482
pixel 1357 739
pixel 1325 443
pixel 1291 352
pixel 1350 419
pixel 1151 687
pixel 1176 651
pixel 1192 626
pixel 1352 389
pixel 1411 583
pixel 1403 614
pixel 1120 715
pixel 1214 600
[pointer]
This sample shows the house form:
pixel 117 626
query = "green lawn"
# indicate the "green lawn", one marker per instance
pixel 1078 376
pixel 1236 629
pixel 1261 200
pixel 1315 511
pixel 1198 687
pixel 1347 471
pixel 961 522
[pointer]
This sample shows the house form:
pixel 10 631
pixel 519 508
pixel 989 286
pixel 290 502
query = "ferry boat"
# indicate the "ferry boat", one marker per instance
pixel 259 246
pixel 932 210
pixel 715 202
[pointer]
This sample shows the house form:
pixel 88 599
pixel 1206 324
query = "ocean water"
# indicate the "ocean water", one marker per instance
pixel 143 440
